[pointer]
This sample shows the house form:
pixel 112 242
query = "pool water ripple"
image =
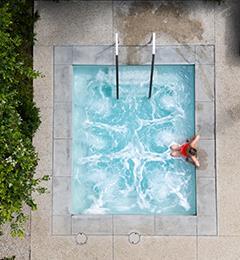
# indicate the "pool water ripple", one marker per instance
pixel 121 161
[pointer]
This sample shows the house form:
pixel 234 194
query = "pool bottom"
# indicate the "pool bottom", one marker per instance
pixel 121 161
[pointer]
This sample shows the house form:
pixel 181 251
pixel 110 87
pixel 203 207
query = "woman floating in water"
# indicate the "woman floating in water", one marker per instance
pixel 187 150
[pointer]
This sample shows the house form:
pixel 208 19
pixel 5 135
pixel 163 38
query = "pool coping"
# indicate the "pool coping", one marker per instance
pixel 66 224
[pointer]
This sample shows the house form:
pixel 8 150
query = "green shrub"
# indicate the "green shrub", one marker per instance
pixel 218 1
pixel 9 258
pixel 19 118
pixel 16 34
pixel 28 111
pixel 18 163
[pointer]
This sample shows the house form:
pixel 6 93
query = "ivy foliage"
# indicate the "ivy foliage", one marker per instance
pixel 19 116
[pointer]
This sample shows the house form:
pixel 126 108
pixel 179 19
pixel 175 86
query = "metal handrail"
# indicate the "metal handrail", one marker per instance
pixel 152 65
pixel 117 71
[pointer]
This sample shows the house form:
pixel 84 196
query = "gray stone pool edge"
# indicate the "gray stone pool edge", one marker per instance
pixel 205 222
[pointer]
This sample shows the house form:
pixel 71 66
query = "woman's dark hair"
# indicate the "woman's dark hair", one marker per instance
pixel 192 151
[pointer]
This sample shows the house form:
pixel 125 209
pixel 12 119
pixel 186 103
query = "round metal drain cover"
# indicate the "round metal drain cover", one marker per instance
pixel 81 238
pixel 134 238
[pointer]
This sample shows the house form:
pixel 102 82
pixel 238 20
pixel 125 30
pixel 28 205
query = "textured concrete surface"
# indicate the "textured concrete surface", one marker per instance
pixel 85 22
pixel 228 94
pixel 10 246
pixel 43 140
pixel 175 22
pixel 218 248
pixel 43 86
pixel 78 22
pixel 155 248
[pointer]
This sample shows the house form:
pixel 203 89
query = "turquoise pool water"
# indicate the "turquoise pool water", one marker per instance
pixel 120 148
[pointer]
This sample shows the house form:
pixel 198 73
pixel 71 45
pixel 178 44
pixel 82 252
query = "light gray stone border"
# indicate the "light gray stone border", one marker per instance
pixel 205 222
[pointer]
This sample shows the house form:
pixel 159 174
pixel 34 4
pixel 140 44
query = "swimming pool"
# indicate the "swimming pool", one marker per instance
pixel 120 148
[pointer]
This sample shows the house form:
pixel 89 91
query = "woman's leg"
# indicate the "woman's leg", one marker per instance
pixel 175 147
pixel 195 140
pixel 175 154
pixel 195 160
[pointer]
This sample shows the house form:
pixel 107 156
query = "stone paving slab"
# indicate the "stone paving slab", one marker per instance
pixel 93 55
pixel 204 113
pixel 206 197
pixel 92 224
pixel 205 54
pixel 134 55
pixel 125 224
pixel 61 225
pixel 141 55
pixel 175 54
pixel 63 83
pixel 204 82
pixel 63 55
pixel 207 157
pixel 62 120
pixel 176 225
pixel 62 157
pixel 206 226
pixel 61 195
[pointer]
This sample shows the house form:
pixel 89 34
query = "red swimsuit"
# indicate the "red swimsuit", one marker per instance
pixel 184 149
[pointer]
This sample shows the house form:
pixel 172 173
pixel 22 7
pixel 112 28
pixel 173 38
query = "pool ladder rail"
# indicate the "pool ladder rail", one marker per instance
pixel 117 71
pixel 153 40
